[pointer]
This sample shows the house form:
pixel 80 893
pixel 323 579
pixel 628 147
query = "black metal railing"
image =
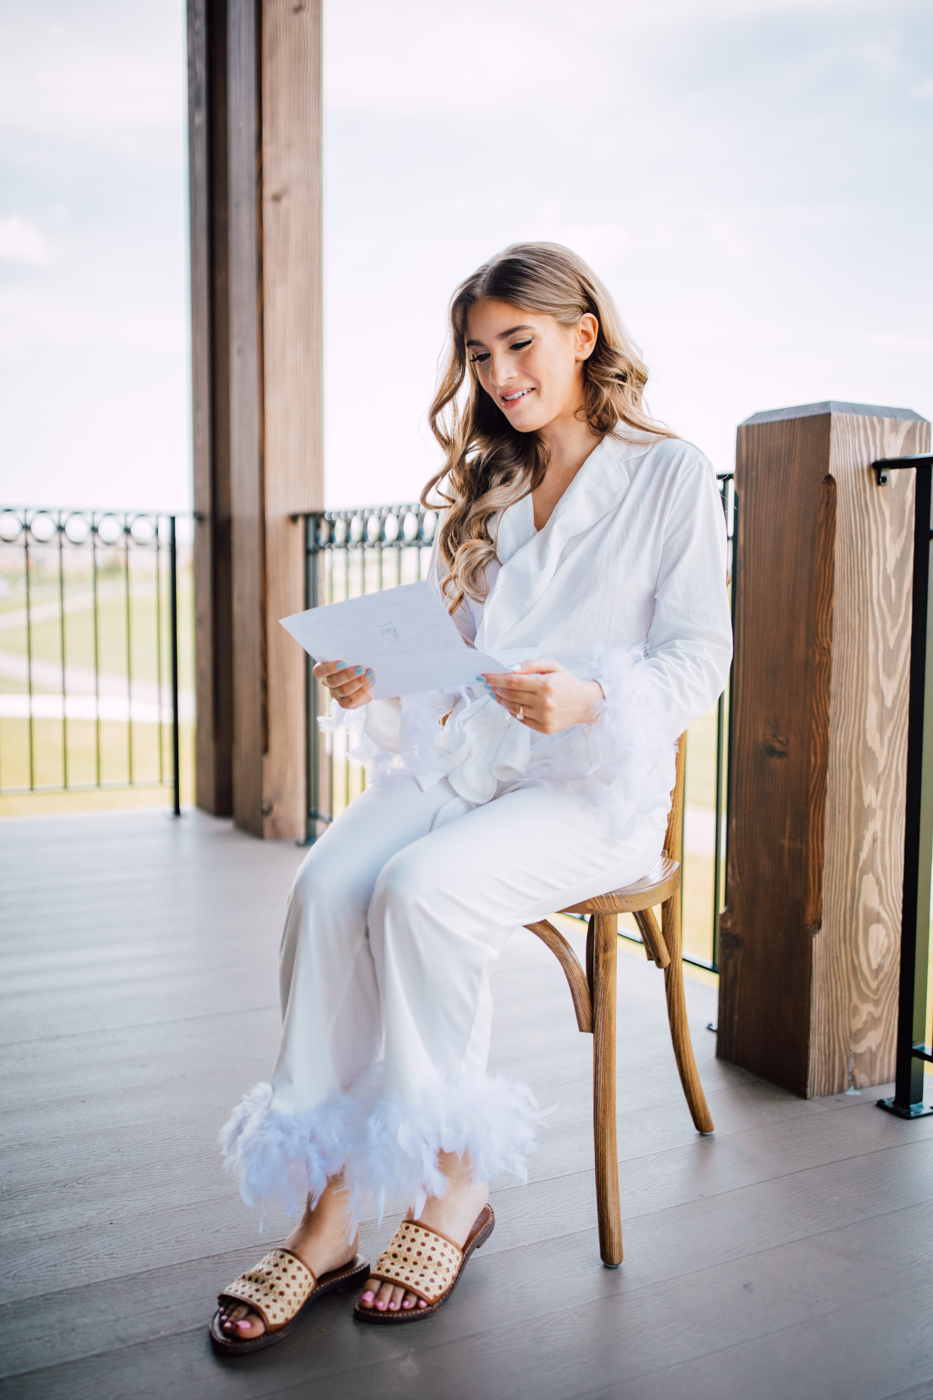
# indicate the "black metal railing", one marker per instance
pixel 356 551
pixel 914 1046
pixel 90 693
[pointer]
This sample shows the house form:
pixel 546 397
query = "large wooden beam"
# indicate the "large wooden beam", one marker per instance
pixel 255 102
pixel 810 935
pixel 210 356
pixel 292 376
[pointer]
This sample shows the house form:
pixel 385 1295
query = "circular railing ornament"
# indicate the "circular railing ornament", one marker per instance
pixel 109 529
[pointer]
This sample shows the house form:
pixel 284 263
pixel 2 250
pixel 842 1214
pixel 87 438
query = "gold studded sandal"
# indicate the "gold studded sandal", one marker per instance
pixel 279 1289
pixel 427 1264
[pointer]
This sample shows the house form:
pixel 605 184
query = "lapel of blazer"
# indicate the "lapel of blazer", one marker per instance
pixel 597 489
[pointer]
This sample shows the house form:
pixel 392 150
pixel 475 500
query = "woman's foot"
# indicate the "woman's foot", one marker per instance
pixel 452 1215
pixel 320 1241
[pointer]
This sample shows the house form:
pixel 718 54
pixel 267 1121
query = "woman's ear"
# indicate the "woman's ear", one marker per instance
pixel 587 332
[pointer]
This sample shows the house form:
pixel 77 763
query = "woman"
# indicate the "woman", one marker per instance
pixel 573 523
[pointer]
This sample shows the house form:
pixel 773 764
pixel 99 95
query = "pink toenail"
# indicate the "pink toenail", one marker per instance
pixel 244 1325
pixel 368 1296
pixel 422 1303
pixel 407 1303
pixel 380 1304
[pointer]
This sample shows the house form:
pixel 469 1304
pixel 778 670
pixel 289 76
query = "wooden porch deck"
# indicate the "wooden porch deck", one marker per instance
pixel 787 1257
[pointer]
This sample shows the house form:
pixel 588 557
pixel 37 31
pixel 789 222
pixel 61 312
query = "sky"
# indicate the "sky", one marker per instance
pixel 749 177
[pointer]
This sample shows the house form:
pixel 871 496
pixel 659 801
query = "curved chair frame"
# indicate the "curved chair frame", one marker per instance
pixel 594 1000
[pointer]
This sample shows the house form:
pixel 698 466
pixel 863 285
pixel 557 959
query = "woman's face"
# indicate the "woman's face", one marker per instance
pixel 529 364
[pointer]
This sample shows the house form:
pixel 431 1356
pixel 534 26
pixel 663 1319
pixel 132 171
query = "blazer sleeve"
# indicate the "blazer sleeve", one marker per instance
pixel 689 644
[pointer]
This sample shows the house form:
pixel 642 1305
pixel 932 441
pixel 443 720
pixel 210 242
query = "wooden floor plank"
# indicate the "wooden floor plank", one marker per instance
pixel 138 1000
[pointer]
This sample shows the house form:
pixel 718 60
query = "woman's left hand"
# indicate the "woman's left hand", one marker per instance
pixel 546 696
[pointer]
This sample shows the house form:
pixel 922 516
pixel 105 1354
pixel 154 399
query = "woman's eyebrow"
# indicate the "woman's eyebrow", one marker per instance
pixel 503 335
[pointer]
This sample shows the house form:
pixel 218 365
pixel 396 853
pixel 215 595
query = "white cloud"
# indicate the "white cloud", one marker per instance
pixel 24 243
pixel 923 90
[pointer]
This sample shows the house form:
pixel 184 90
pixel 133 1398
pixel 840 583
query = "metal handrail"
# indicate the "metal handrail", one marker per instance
pixel 58 545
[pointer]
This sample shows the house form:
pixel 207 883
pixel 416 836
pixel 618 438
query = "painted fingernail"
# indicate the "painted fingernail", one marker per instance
pixel 358 671
pixel 481 678
pixel 370 674
pixel 340 666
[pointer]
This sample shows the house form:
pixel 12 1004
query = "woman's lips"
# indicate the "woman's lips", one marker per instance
pixel 516 396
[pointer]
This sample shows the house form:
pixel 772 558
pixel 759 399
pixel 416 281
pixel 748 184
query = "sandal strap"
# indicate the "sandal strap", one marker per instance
pixel 420 1260
pixel 276 1288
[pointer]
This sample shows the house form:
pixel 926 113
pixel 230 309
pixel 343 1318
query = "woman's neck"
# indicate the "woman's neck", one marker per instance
pixel 569 442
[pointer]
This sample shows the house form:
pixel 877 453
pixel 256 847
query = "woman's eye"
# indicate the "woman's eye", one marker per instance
pixel 520 344
pixel 479 359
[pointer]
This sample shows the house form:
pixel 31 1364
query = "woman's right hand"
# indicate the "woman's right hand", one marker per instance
pixel 349 685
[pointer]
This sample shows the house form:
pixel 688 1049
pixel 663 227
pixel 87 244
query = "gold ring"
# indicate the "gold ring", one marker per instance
pixel 520 712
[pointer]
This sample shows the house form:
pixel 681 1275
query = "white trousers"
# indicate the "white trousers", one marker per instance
pixel 394 926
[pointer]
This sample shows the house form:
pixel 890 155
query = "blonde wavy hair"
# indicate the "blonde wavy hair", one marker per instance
pixel 489 465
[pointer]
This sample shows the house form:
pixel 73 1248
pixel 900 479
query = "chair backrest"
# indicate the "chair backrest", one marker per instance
pixel 673 841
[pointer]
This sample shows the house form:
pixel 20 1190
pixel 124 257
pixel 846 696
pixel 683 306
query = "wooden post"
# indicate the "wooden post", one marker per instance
pixel 256 299
pixel 292 376
pixel 810 935
pixel 210 354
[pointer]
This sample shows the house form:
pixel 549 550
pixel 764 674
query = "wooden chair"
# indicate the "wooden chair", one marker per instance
pixel 594 1001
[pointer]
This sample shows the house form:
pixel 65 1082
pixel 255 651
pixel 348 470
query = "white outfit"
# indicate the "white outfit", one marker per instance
pixel 471 829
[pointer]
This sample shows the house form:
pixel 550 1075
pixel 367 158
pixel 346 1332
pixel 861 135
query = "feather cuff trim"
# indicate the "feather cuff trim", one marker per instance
pixel 286 1157
pixel 384 1145
pixel 493 1118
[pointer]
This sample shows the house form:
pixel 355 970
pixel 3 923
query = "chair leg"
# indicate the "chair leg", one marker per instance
pixel 605 957
pixel 677 1015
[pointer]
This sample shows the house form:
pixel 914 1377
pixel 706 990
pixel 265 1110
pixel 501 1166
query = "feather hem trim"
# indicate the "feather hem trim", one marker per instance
pixel 385 1146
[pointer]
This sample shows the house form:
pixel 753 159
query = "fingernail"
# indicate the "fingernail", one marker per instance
pixel 340 666
pixel 370 674
pixel 358 671
pixel 481 678
pixel 515 668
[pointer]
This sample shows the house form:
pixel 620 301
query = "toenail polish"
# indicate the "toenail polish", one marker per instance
pixel 368 1296
pixel 380 1304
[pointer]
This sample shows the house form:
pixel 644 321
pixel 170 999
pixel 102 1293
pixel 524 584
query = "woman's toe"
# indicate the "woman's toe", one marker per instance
pixel 395 1299
pixel 383 1296
pixel 368 1295
pixel 409 1301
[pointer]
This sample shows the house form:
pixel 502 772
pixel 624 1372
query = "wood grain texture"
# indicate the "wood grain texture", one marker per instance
pixel 652 937
pixel 855 954
pixel 642 894
pixel 210 399
pixel 777 758
pixel 576 977
pixel 118 1233
pixel 246 439
pixel 608 1209
pixel 292 377
pixel 819 710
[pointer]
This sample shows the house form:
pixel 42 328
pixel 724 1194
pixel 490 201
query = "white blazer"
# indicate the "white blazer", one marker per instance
pixel 626 584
